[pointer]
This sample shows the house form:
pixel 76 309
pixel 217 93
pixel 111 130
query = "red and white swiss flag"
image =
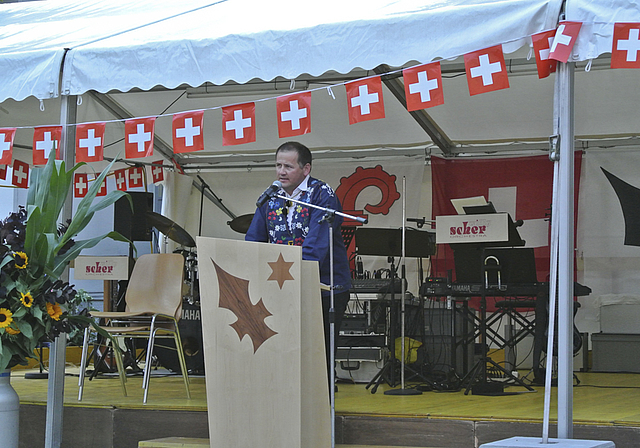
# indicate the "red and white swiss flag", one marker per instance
pixel 564 40
pixel 80 185
pixel 423 86
pixel 157 172
pixel 20 176
pixel 486 70
pixel 542 47
pixel 46 138
pixel 364 99
pixel 3 172
pixel 103 188
pixel 138 135
pixel 136 176
pixel 121 179
pixel 294 114
pixel 238 124
pixel 625 52
pixel 188 133
pixel 6 145
pixel 90 142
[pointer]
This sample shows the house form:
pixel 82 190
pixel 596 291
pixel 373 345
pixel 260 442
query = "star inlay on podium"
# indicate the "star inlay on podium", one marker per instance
pixel 280 270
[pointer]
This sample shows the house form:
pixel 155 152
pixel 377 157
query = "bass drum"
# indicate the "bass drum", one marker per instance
pixel 190 326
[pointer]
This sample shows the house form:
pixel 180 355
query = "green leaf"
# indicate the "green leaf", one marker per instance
pixel 61 261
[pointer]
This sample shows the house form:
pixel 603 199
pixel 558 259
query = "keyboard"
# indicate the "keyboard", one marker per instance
pixel 376 285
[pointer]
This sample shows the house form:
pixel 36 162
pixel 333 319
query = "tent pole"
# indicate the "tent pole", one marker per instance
pixel 565 250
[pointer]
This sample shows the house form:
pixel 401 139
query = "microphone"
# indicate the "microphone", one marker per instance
pixel 268 193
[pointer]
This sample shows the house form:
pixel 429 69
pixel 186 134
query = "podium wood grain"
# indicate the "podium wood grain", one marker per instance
pixel 268 387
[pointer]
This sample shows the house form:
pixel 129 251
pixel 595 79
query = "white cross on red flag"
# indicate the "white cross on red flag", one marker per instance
pixel 103 188
pixel 423 86
pixel 565 38
pixel 121 179
pixel 542 47
pixel 294 114
pixel 188 135
pixel 6 145
pixel 238 124
pixel 90 142
pixel 157 172
pixel 80 185
pixel 135 175
pixel 20 175
pixel 626 46
pixel 138 137
pixel 46 138
pixel 3 172
pixel 486 70
pixel 364 99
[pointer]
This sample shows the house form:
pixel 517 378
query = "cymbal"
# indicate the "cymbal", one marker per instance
pixel 241 223
pixel 169 228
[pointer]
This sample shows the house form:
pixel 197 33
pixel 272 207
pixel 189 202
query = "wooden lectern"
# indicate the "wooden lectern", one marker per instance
pixel 264 350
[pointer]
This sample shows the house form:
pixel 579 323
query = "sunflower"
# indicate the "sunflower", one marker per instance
pixel 26 299
pixel 21 260
pixel 5 318
pixel 12 330
pixel 54 310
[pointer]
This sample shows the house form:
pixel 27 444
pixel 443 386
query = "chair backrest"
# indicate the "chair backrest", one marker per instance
pixel 156 284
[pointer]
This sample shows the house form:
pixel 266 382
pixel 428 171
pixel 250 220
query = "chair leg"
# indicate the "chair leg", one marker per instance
pixel 147 364
pixel 83 362
pixel 121 372
pixel 183 363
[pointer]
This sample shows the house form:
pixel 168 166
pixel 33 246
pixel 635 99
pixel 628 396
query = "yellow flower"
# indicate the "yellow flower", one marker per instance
pixel 11 330
pixel 26 299
pixel 21 260
pixel 5 318
pixel 54 310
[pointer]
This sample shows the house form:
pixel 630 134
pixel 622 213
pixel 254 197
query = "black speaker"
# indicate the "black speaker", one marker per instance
pixel 133 224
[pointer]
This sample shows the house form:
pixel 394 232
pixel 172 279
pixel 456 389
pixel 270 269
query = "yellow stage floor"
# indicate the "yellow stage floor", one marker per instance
pixel 600 399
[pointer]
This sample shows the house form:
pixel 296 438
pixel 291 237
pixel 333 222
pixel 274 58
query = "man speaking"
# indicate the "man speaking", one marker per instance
pixel 279 221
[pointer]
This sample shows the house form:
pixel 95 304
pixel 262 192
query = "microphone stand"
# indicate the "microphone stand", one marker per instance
pixel 329 215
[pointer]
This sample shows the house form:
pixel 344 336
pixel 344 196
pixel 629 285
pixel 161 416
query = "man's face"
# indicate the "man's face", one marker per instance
pixel 288 170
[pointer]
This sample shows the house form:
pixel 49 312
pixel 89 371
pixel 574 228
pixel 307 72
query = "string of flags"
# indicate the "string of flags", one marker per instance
pixel 485 71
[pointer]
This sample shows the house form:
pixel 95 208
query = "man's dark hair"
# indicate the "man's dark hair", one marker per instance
pixel 304 155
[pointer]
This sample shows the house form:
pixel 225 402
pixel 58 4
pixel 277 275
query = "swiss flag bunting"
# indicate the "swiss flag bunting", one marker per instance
pixel 135 176
pixel 90 142
pixel 423 86
pixel 626 46
pixel 565 38
pixel 364 99
pixel 46 138
pixel 157 172
pixel 138 134
pixel 3 172
pixel 103 188
pixel 486 70
pixel 121 179
pixel 238 124
pixel 188 133
pixel 80 185
pixel 6 145
pixel 294 114
pixel 20 175
pixel 542 47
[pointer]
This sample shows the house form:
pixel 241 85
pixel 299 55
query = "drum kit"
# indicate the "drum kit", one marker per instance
pixel 190 322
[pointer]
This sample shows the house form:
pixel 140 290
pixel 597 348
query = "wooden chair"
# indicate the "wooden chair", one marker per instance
pixel 154 307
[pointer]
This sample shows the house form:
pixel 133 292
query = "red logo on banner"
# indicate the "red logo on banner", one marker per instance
pixel 294 114
pixel 136 174
pixel 90 142
pixel 103 188
pixel 6 145
pixel 626 46
pixel 80 185
pixel 542 48
pixel 46 138
pixel 188 134
pixel 423 86
pixel 121 179
pixel 238 124
pixel 138 137
pixel 364 100
pixel 157 172
pixel 20 176
pixel 564 40
pixel 3 172
pixel 486 70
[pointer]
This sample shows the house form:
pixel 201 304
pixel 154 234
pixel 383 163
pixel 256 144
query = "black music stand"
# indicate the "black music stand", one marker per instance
pixel 388 242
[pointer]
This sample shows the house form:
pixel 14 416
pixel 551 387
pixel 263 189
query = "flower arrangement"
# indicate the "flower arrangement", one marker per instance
pixel 35 249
